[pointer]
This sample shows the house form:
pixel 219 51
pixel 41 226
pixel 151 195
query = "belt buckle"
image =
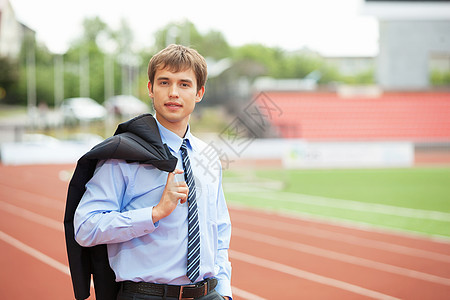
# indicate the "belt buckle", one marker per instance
pixel 180 296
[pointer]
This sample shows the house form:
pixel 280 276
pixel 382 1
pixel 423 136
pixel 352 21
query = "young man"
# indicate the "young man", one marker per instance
pixel 166 238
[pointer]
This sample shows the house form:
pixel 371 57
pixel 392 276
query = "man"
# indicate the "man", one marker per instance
pixel 166 238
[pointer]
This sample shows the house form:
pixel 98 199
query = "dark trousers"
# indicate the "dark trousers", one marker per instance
pixel 136 296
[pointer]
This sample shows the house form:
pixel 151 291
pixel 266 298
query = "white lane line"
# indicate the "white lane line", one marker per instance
pixel 263 238
pixel 341 237
pixel 31 216
pixel 48 222
pixel 351 205
pixel 51 223
pixel 307 275
pixel 245 295
pixel 341 222
pixel 34 253
pixel 34 198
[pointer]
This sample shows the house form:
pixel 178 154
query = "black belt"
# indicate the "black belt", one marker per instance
pixel 186 292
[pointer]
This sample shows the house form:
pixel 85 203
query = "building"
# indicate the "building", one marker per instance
pixel 414 40
pixel 12 32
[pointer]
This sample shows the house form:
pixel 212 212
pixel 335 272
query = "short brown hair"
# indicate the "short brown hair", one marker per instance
pixel 179 58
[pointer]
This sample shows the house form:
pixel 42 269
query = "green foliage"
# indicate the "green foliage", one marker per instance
pixel 364 77
pixel 212 44
pixel 97 90
pixel 92 28
pixel 215 45
pixel 45 84
pixel 279 64
pixel 299 66
pixel 43 73
pixel 99 44
pixel 270 58
pixel 9 76
pixel 440 78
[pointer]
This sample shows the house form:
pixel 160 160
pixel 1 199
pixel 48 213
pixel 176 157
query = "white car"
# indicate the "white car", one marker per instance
pixel 126 106
pixel 82 109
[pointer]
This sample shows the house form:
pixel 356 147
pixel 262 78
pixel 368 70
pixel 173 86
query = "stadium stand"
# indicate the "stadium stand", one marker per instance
pixel 413 116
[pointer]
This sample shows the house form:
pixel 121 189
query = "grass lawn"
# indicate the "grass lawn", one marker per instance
pixel 413 199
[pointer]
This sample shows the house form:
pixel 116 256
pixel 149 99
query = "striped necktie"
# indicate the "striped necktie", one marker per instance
pixel 193 262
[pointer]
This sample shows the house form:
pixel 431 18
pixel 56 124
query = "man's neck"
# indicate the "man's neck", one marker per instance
pixel 179 128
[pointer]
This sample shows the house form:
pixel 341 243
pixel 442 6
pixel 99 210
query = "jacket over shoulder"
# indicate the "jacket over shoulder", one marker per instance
pixel 137 140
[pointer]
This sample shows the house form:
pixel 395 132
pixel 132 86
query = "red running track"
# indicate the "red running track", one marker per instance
pixel 273 256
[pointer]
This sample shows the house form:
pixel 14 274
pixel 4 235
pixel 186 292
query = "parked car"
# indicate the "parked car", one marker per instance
pixel 125 106
pixel 81 109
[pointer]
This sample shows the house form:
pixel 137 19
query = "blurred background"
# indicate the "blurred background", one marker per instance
pixel 293 86
pixel 337 110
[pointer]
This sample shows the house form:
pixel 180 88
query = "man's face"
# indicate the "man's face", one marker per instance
pixel 174 97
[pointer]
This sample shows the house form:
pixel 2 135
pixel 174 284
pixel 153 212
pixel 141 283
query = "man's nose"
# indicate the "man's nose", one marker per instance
pixel 173 91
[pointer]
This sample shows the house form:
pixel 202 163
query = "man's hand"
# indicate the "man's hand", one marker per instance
pixel 173 192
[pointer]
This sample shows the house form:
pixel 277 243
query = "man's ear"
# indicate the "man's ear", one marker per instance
pixel 150 89
pixel 200 94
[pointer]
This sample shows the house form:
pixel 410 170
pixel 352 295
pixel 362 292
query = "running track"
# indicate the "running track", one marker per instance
pixel 273 257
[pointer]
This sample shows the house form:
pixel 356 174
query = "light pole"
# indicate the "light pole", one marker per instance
pixel 31 84
pixel 109 47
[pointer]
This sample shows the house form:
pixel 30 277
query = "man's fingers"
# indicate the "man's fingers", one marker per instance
pixel 183 189
pixel 180 192
pixel 177 171
pixel 178 189
pixel 181 184
pixel 171 175
pixel 181 196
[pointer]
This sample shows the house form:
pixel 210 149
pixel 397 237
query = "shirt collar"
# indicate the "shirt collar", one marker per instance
pixel 173 140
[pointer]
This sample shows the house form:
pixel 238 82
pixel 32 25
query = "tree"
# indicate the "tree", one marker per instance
pixel 212 44
pixel 43 73
pixel 84 62
pixel 9 77
pixel 280 64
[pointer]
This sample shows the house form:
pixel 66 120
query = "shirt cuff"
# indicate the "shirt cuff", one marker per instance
pixel 224 288
pixel 141 221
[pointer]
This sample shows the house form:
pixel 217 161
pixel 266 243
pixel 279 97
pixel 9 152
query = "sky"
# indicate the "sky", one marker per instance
pixel 331 27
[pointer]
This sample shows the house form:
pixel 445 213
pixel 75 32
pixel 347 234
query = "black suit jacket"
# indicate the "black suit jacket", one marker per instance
pixel 137 140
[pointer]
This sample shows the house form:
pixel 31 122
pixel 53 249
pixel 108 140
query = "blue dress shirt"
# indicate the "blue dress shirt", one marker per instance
pixel 116 210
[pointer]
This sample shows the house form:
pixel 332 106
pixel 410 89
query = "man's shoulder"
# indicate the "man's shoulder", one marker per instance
pixel 202 146
pixel 209 149
pixel 199 143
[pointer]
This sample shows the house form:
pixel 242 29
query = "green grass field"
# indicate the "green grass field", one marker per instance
pixel 413 199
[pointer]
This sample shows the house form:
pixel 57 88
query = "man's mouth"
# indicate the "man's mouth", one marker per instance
pixel 173 104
